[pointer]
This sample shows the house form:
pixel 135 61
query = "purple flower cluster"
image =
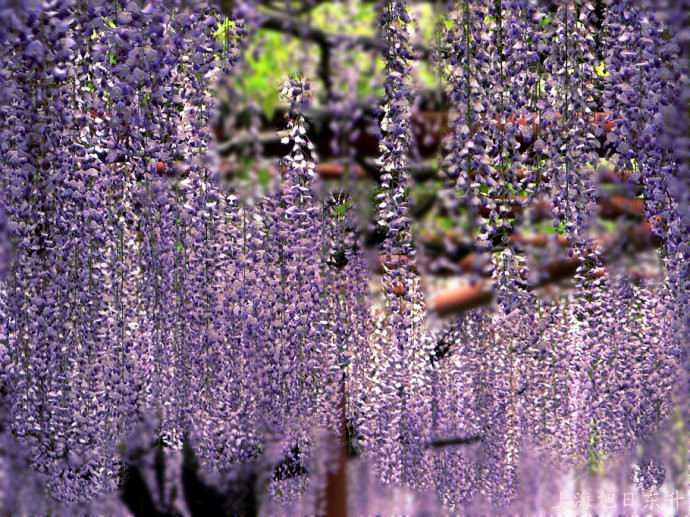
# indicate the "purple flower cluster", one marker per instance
pixel 569 380
pixel 111 213
pixel 137 284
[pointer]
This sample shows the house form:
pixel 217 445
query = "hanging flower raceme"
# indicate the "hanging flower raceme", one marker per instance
pixel 569 64
pixel 136 283
pixel 392 420
pixel 105 108
pixel 290 333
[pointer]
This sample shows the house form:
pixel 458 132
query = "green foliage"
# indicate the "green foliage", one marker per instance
pixel 264 177
pixel 600 69
pixel 271 56
pixel 596 458
pixel 427 77
pixel 267 69
pixel 421 193
pixel 223 29
pixel 365 85
pixel 425 20
pixel 547 228
pixel 608 226
pixel 445 223
pixel 341 209
pixel 359 19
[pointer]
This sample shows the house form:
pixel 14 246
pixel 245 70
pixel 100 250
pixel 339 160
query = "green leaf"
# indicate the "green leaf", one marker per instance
pixel 601 70
pixel 341 209
pixel 269 104
pixel 445 223
pixel 609 226
pixel 267 70
pixel 224 28
pixel 264 177
pixel 359 19
pixel 426 75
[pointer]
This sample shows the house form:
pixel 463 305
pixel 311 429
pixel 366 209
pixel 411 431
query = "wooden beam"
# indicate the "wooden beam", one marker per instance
pixel 460 299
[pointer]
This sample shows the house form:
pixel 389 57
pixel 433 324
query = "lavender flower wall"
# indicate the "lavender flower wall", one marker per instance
pixel 241 318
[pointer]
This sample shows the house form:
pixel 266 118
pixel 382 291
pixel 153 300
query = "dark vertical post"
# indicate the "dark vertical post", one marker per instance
pixel 336 483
